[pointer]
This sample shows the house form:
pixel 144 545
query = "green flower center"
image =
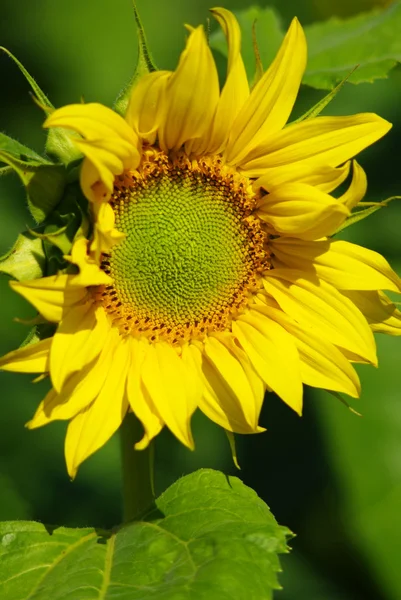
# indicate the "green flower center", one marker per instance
pixel 188 260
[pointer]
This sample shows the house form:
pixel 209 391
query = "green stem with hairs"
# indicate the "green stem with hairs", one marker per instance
pixel 137 470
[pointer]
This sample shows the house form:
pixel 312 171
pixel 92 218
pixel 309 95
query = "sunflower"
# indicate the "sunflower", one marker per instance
pixel 210 276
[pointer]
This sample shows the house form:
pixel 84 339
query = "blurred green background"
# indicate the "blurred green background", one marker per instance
pixel 332 477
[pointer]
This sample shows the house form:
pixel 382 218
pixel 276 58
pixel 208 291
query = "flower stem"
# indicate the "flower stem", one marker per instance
pixel 137 470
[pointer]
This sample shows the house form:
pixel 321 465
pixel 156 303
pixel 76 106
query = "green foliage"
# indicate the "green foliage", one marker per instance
pixel 370 41
pixel 210 537
pixel 44 182
pixel 14 149
pixel 26 259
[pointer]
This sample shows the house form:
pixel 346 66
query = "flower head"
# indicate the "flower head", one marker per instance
pixel 210 276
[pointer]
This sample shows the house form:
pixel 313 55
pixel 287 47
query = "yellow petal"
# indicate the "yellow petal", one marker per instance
pixel 322 364
pixel 273 354
pixel 106 235
pixel 319 306
pixel 78 340
pixel 382 315
pixel 256 383
pixel 80 389
pixel 235 90
pixel 139 399
pixel 346 266
pixel 357 189
pixel 33 358
pixel 107 162
pixel 94 426
pixel 234 377
pixel 374 272
pixel 271 101
pixel 172 390
pixel 191 95
pixel 218 401
pixel 89 271
pixel 93 188
pixel 51 296
pixel 144 110
pixel 311 144
pixel 303 211
pixel 109 143
pixel 325 179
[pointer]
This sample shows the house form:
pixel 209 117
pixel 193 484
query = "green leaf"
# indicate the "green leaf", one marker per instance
pixel 144 65
pixel 211 537
pixel 371 40
pixel 26 259
pixel 17 150
pixel 44 181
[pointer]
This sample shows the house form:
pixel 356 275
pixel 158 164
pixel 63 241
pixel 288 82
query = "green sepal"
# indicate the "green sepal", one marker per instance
pixel 26 259
pixel 64 228
pixel 315 110
pixel 258 61
pixel 59 144
pixel 44 181
pixel 5 171
pixel 41 98
pixel 338 396
pixel 38 333
pixel 69 222
pixel 359 215
pixel 231 441
pixel 144 65
pixel 18 150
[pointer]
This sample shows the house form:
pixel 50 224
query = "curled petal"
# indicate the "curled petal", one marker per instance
pixel 109 144
pixel 357 189
pixel 235 91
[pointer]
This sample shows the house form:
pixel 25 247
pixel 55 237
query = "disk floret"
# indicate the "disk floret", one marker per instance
pixel 193 253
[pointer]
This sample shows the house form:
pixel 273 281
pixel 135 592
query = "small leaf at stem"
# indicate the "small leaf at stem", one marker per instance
pixel 359 215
